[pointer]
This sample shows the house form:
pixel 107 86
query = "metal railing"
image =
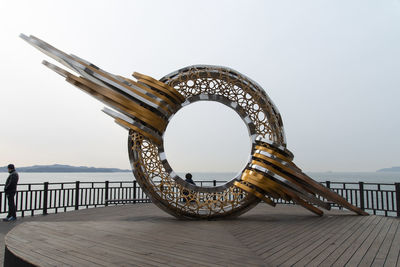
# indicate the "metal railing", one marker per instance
pixel 44 198
pixel 376 198
pixel 48 197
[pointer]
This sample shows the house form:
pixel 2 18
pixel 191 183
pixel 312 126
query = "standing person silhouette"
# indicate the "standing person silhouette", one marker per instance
pixel 188 179
pixel 10 188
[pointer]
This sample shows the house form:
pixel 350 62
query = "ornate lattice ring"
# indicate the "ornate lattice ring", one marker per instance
pixel 151 167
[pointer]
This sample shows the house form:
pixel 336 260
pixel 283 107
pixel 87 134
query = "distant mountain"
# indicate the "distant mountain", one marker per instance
pixel 393 169
pixel 62 168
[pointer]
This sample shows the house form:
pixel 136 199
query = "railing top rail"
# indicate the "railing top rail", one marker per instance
pixel 72 183
pixel 205 181
pixel 380 183
pixel 356 183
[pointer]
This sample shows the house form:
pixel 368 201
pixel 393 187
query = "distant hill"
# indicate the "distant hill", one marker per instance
pixel 393 169
pixel 62 168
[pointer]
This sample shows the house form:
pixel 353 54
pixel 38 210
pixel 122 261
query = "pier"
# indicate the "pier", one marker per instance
pixel 143 235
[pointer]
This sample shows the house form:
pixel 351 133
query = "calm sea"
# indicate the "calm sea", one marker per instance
pixel 368 177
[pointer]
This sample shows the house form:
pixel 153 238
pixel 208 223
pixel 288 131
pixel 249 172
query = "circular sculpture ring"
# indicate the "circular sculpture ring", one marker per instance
pixel 145 106
pixel 150 165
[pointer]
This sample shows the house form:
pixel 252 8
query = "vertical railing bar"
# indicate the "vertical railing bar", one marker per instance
pixel 372 201
pixel 90 195
pixel 45 195
pixel 106 197
pixel 134 191
pixel 21 202
pixel 16 201
pixel 361 187
pixel 397 186
pixel 392 198
pixel 40 199
pixel 387 200
pixel 77 195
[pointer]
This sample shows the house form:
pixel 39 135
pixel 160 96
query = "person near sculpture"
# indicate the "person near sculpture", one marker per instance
pixel 188 179
pixel 10 188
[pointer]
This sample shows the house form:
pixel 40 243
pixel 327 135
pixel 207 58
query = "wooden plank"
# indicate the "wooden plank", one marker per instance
pixel 148 254
pixel 285 232
pixel 275 247
pixel 357 244
pixel 392 258
pixel 345 228
pixel 43 250
pixel 149 249
pixel 53 248
pixel 337 248
pixel 112 255
pixel 287 249
pixel 51 236
pixel 163 243
pixel 372 252
pixel 351 244
pixel 256 238
pixel 239 231
pixel 192 244
pixel 315 242
pixel 78 249
pixel 258 241
pixel 380 257
pixel 374 239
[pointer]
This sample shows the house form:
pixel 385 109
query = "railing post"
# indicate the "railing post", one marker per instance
pixel 398 198
pixel 106 193
pixel 134 191
pixel 361 185
pixel 45 197
pixel 76 195
pixel 328 184
pixel 215 184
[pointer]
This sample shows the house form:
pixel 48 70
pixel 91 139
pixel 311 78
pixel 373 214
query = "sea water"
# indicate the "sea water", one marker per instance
pixel 367 177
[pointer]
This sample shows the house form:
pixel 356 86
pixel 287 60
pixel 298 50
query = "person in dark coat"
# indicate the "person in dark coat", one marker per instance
pixel 188 179
pixel 10 188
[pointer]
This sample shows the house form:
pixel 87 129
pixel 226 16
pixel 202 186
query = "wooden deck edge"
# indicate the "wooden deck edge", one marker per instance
pixel 11 260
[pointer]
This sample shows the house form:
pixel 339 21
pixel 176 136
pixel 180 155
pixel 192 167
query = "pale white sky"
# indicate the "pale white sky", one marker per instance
pixel 331 67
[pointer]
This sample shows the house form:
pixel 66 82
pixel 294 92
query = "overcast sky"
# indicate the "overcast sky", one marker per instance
pixel 331 67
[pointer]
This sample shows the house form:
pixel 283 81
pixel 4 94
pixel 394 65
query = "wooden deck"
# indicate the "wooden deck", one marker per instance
pixel 143 235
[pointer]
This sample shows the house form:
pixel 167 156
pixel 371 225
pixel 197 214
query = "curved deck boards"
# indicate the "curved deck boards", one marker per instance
pixel 142 235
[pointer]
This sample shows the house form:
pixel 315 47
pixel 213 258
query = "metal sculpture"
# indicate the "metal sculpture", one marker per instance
pixel 145 106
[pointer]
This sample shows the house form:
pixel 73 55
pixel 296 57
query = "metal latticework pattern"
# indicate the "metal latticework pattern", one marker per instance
pixel 175 198
pixel 236 88
pixel 206 83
